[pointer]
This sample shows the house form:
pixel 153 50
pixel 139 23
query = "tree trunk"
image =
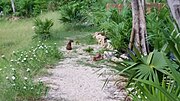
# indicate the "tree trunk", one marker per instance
pixel 115 1
pixel 139 32
pixel 174 6
pixel 13 6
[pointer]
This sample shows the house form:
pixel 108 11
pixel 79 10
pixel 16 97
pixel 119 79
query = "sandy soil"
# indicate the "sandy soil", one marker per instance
pixel 71 80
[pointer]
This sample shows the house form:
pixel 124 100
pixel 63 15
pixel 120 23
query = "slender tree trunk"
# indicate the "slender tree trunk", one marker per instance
pixel 139 32
pixel 13 6
pixel 124 2
pixel 115 1
pixel 174 6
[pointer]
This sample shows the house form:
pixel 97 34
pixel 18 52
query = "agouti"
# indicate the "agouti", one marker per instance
pixel 69 46
pixel 97 57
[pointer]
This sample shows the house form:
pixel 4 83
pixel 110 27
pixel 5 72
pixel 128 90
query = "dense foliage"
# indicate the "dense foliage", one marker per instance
pixel 157 22
pixel 117 27
pixel 154 77
pixel 28 8
pixel 77 10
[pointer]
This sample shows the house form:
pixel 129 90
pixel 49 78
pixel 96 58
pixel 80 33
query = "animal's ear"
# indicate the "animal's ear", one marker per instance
pixel 71 40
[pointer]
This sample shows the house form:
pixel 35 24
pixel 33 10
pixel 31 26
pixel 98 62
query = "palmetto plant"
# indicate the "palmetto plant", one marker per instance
pixel 117 27
pixel 157 21
pixel 42 28
pixel 70 13
pixel 73 11
pixel 155 77
pixel 151 78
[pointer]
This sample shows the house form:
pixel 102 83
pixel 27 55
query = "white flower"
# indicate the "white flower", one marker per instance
pixel 25 78
pixel 28 70
pixel 31 58
pixel 40 80
pixel 24 87
pixel 3 56
pixel 0 69
pixel 32 88
pixel 24 59
pixel 14 52
pixel 41 47
pixel 34 55
pixel 45 46
pixel 33 27
pixel 46 51
pixel 18 62
pixel 12 60
pixel 55 43
pixel 10 65
pixel 13 77
pixel 13 84
pixel 7 77
pixel 13 69
pixel 5 67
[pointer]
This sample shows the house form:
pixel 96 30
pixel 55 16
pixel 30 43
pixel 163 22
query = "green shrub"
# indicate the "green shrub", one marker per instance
pixel 6 5
pixel 28 8
pixel 39 6
pixel 54 5
pixel 72 12
pixel 42 28
pixel 24 8
pixel 157 22
pixel 116 26
pixel 78 10
pixel 155 76
pixel 152 77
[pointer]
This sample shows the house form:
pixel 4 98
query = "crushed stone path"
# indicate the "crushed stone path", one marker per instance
pixel 71 80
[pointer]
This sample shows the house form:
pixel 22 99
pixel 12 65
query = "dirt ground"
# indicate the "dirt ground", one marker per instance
pixel 71 80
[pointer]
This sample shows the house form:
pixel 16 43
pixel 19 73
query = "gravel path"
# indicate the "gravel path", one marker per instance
pixel 70 80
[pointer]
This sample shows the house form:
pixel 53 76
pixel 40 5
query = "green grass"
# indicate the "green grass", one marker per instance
pixel 86 39
pixel 17 35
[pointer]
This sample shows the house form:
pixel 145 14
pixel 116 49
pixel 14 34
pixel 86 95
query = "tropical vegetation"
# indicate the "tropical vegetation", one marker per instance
pixel 153 76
